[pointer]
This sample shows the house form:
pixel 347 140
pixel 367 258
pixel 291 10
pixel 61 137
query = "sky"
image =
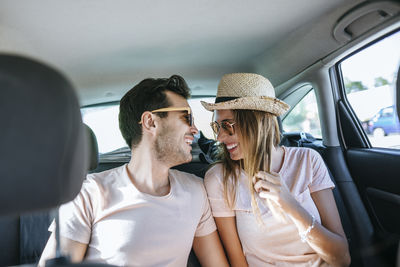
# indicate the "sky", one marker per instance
pixel 380 59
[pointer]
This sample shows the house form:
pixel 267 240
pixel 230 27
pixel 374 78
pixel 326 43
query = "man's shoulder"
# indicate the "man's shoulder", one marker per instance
pixel 107 176
pixel 190 187
pixel 185 175
pixel 186 178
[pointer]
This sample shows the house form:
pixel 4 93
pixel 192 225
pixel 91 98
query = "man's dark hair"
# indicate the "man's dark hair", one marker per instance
pixel 148 95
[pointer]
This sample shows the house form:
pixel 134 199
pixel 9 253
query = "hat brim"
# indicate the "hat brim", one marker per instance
pixel 260 103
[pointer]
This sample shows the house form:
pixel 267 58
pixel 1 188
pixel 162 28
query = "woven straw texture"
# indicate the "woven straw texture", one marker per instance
pixel 254 92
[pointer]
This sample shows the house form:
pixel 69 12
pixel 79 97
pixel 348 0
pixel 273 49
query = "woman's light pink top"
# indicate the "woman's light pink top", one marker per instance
pixel 275 243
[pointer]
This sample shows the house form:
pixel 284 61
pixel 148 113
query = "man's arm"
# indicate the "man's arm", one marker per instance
pixel 74 249
pixel 209 251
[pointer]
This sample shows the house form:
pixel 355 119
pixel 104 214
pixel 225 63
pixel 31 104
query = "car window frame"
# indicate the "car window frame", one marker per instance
pixel 341 91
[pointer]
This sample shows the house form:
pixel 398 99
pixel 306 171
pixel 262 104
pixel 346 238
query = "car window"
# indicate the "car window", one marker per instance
pixel 369 78
pixel 202 117
pixel 387 112
pixel 304 117
pixel 103 120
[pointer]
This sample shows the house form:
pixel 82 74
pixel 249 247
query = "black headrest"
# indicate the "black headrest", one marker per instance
pixel 43 158
pixel 93 149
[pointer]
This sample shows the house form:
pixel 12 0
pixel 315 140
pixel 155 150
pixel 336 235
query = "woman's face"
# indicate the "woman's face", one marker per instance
pixel 228 133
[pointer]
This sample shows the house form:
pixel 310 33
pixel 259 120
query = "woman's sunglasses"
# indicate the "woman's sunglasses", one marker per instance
pixel 226 125
pixel 189 118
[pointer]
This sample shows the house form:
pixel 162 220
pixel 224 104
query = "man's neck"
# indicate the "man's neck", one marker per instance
pixel 149 175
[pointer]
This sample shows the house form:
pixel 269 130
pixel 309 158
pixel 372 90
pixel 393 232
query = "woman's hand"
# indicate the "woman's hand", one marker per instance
pixel 328 238
pixel 273 189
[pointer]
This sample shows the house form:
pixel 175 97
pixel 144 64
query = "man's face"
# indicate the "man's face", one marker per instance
pixel 175 135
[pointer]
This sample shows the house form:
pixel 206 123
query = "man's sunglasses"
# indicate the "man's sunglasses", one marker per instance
pixel 189 117
pixel 226 125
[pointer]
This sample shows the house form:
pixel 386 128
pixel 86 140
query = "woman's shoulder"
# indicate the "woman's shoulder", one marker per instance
pixel 214 175
pixel 215 169
pixel 301 152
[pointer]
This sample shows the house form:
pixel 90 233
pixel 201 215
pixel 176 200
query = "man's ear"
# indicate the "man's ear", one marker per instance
pixel 148 121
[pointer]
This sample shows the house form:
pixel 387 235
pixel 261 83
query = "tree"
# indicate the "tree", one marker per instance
pixel 380 81
pixel 353 86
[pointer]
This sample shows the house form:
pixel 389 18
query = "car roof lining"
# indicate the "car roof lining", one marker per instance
pixel 105 48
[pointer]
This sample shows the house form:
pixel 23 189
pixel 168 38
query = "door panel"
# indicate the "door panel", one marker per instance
pixel 377 173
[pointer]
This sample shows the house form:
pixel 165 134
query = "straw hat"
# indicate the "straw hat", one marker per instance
pixel 246 91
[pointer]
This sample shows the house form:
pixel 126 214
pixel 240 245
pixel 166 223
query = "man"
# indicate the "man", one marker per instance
pixel 143 213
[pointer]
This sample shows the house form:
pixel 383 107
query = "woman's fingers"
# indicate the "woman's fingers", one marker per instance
pixel 266 185
pixel 273 178
pixel 254 180
pixel 268 195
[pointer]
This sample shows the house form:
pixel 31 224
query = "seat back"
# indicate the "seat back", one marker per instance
pixel 44 154
pixel 23 237
pixel 93 149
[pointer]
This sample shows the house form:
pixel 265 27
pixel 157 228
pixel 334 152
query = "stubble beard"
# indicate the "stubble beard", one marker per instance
pixel 168 150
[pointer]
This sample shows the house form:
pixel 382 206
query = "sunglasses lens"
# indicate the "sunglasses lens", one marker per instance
pixel 191 119
pixel 228 127
pixel 215 127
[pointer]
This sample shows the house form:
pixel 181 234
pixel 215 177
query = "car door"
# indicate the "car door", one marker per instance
pixel 373 162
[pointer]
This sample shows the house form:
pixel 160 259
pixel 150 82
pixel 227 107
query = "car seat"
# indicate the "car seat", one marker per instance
pixel 44 155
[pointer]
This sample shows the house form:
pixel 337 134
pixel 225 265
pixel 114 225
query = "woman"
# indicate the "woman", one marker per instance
pixel 273 205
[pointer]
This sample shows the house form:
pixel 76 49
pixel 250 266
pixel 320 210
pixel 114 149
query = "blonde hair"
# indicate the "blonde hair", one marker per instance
pixel 258 133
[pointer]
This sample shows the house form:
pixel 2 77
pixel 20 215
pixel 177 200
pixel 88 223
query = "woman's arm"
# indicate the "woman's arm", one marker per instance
pixel 209 250
pixel 328 238
pixel 230 239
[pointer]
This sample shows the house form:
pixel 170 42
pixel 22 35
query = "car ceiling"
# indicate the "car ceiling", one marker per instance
pixel 105 47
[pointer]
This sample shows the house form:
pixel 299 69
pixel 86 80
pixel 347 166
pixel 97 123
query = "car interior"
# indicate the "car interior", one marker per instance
pixel 65 65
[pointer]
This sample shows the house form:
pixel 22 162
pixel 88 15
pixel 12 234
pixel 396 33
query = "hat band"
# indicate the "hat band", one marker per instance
pixel 224 99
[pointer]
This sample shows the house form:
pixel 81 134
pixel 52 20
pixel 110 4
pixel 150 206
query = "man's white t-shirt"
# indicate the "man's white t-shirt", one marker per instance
pixel 123 226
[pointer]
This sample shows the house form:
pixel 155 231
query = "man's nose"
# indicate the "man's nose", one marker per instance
pixel 193 129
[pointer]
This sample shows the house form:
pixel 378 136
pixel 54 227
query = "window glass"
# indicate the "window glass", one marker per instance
pixel 304 117
pixel 103 120
pixel 370 80
pixel 202 117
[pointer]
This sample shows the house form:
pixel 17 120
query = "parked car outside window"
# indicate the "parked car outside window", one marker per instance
pixel 385 122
